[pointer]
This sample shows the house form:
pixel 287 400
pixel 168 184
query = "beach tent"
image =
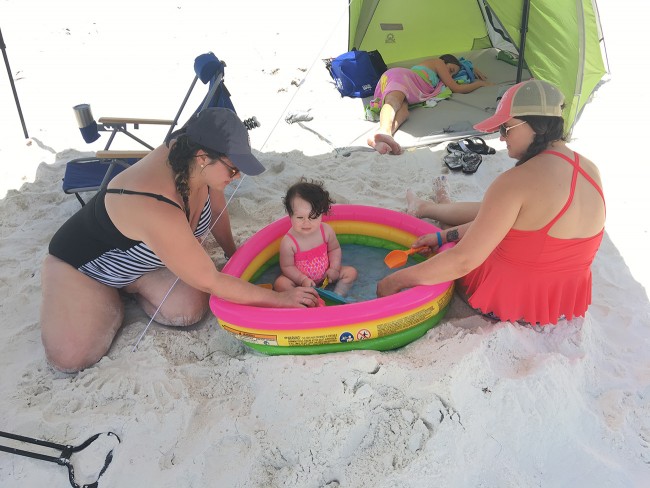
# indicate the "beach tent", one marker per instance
pixel 556 40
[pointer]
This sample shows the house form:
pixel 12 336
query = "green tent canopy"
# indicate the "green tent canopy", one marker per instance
pixel 561 39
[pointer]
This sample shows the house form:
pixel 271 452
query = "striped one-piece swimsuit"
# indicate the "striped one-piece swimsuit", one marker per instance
pixel 90 242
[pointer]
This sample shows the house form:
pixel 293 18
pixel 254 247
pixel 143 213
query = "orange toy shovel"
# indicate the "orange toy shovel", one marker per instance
pixel 397 258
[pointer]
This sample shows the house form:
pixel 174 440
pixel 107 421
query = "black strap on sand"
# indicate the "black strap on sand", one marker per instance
pixel 64 458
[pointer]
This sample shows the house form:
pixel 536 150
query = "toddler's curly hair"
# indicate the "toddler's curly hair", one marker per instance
pixel 312 192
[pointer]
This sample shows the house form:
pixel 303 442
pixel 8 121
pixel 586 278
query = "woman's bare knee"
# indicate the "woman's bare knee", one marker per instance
pixel 69 361
pixel 70 350
pixel 180 318
pixel 79 316
pixel 187 307
pixel 167 300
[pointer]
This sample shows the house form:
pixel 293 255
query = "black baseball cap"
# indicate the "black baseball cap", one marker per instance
pixel 221 130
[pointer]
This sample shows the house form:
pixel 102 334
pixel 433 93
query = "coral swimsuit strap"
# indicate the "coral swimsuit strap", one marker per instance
pixel 574 178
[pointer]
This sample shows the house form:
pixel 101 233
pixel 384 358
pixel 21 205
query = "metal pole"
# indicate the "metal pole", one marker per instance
pixel 13 87
pixel 522 40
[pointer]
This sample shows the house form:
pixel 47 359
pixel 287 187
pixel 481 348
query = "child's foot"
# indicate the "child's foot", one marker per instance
pixel 412 204
pixel 440 190
pixel 383 143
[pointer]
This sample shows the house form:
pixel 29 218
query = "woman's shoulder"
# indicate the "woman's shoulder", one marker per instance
pixel 513 182
pixel 564 154
pixel 154 163
pixel 587 163
pixel 432 63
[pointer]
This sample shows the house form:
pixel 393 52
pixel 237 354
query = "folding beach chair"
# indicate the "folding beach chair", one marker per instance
pixel 94 173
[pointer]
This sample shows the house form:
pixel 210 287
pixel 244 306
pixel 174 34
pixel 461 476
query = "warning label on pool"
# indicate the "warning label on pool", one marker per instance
pixel 398 325
pixel 311 340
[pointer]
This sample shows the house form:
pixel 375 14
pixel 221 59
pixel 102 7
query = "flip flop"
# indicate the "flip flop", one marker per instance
pixel 471 144
pixel 453 147
pixel 454 160
pixel 471 162
pixel 478 145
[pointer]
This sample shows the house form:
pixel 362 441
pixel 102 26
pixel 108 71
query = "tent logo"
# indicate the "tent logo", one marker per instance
pixel 390 39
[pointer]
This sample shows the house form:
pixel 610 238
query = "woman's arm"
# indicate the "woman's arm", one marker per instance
pixel 452 234
pixel 480 75
pixel 222 230
pixel 168 235
pixel 495 218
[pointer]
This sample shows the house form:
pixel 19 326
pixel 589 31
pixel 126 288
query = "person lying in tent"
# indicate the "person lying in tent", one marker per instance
pixel 524 253
pixel 399 87
pixel 140 238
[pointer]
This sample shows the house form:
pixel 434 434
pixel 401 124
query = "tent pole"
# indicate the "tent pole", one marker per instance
pixel 522 40
pixel 13 87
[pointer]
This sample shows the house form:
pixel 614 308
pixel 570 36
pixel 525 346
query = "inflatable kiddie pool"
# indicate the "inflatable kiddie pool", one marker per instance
pixel 380 324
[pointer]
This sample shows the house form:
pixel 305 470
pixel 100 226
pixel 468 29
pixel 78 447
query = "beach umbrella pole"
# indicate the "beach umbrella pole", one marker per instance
pixel 522 40
pixel 11 80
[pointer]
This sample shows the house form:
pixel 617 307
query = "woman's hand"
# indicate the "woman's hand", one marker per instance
pixel 429 240
pixel 299 297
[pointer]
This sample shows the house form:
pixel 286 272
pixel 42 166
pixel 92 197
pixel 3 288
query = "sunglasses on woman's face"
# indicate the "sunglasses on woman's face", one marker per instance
pixel 234 171
pixel 503 129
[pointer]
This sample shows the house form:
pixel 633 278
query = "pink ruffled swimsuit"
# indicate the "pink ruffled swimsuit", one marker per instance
pixel 314 262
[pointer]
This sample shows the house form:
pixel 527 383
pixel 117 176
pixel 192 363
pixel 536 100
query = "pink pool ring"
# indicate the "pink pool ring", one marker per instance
pixel 380 324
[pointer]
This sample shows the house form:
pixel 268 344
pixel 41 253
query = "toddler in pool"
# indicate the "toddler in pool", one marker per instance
pixel 310 251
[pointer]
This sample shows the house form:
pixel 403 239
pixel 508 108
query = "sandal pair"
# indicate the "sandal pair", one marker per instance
pixel 471 144
pixel 468 162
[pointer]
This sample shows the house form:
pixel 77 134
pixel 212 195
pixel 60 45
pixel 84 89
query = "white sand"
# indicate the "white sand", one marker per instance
pixel 470 404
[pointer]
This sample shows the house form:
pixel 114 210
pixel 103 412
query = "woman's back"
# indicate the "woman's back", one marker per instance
pixel 541 270
pixel 551 182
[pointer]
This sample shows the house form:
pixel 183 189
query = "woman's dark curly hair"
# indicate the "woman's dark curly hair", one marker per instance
pixel 547 130
pixel 181 158
pixel 312 192
pixel 450 59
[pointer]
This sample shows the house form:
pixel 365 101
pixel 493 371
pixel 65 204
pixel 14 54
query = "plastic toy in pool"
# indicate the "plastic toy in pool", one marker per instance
pixel 380 324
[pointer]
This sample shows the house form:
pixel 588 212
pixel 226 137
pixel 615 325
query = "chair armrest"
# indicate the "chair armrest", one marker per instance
pixel 128 120
pixel 116 154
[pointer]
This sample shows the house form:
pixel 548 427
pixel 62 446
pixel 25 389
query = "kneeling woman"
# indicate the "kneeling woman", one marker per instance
pixel 141 234
pixel 525 251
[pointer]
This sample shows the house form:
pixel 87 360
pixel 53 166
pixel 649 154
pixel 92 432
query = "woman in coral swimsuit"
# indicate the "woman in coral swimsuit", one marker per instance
pixel 524 253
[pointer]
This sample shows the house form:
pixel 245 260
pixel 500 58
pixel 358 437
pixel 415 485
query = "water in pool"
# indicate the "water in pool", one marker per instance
pixel 369 262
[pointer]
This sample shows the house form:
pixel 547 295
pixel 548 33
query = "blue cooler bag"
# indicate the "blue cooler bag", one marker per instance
pixel 356 73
